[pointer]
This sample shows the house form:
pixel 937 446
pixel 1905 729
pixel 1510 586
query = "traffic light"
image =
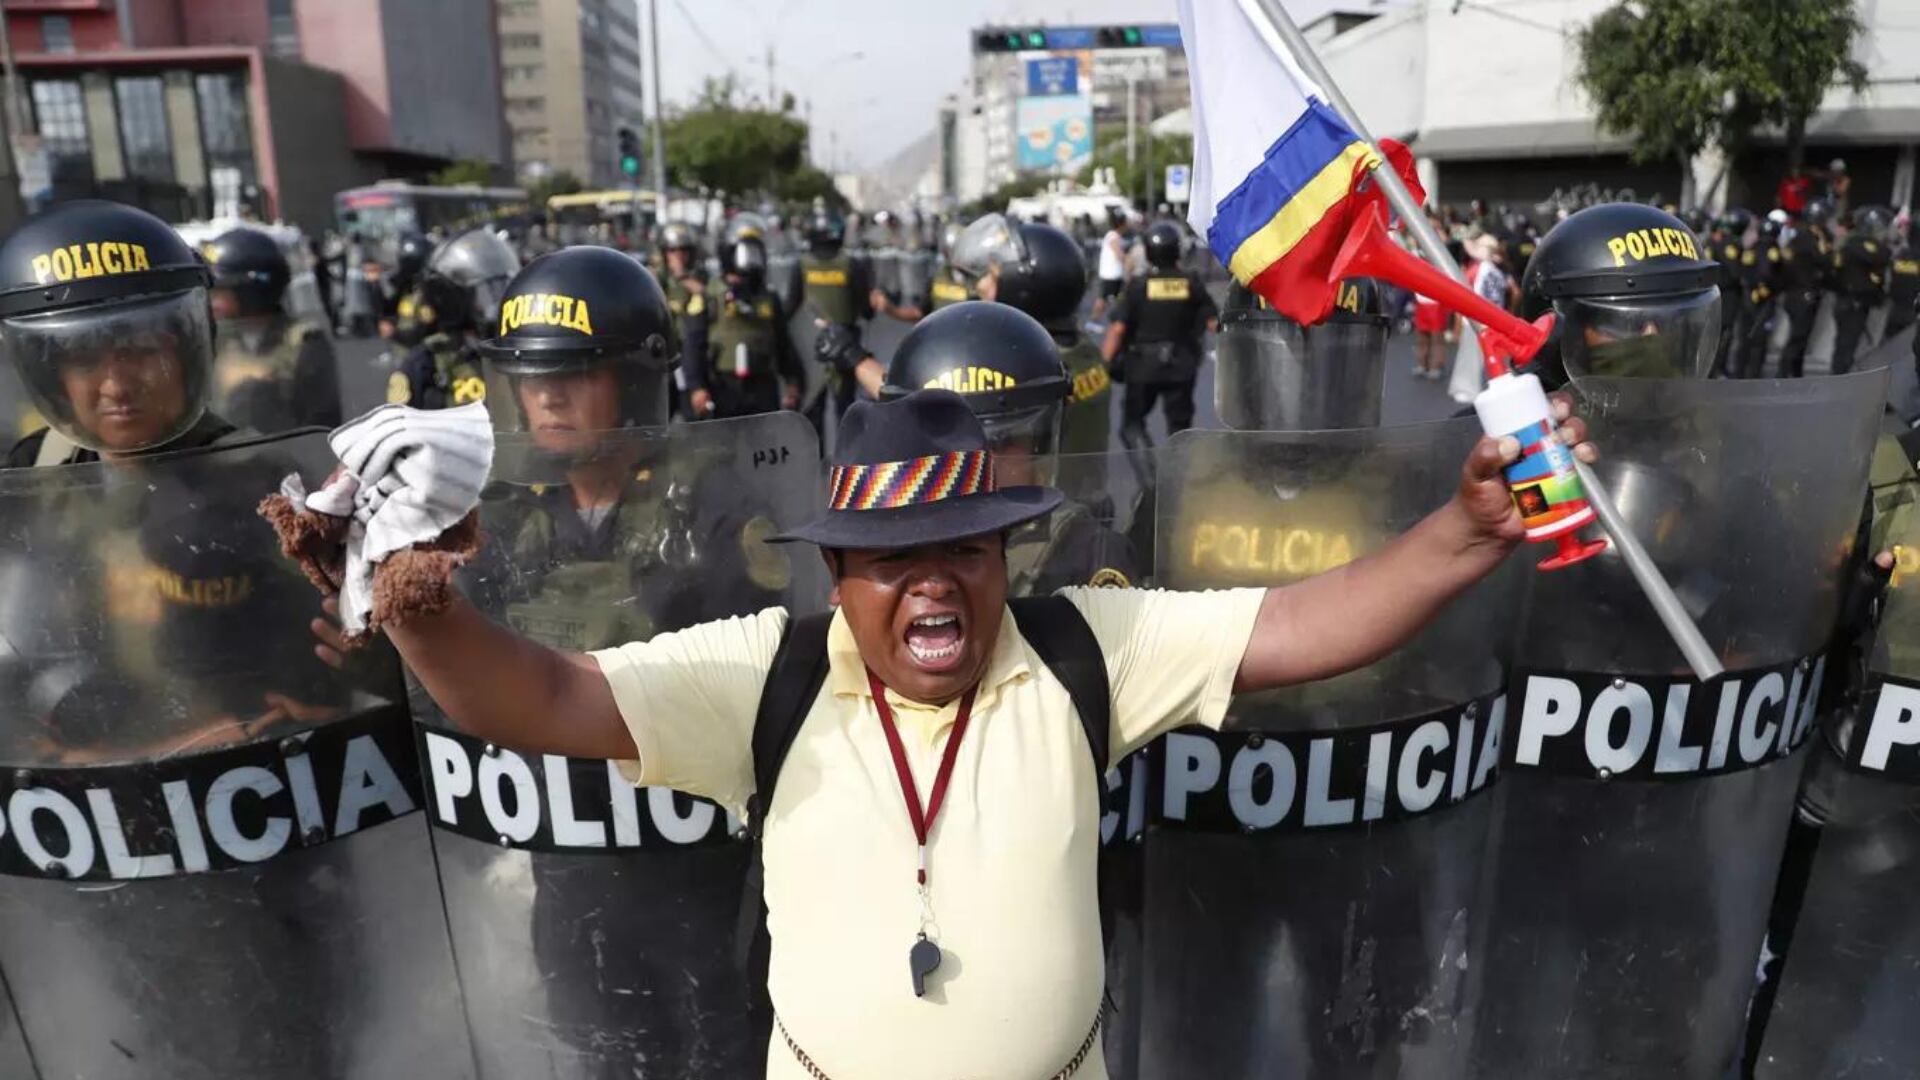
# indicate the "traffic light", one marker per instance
pixel 1015 39
pixel 1119 37
pixel 629 152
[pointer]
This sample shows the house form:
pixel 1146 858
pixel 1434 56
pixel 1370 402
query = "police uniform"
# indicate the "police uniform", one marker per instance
pixel 1903 288
pixel 441 372
pixel 1807 267
pixel 1166 314
pixel 737 349
pixel 458 297
pixel 838 288
pixel 1860 283
pixel 1725 250
pixel 1761 279
pixel 271 372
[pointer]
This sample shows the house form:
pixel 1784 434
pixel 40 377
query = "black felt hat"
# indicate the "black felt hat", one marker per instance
pixel 916 470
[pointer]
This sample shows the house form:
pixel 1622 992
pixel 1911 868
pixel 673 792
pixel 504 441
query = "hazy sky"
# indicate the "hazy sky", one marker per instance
pixel 912 52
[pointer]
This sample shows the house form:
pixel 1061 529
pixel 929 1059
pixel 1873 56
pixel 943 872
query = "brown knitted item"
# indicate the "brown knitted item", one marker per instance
pixel 415 581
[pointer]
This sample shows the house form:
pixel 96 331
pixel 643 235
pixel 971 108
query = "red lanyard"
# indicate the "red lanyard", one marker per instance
pixel 922 820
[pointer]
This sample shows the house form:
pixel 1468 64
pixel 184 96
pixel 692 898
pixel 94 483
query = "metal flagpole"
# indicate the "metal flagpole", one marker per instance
pixel 1700 656
pixel 659 121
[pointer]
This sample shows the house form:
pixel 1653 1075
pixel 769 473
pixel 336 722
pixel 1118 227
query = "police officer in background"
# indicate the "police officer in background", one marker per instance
pixel 460 293
pixel 1806 272
pixel 118 359
pixel 1008 369
pixel 1155 338
pixel 1039 269
pixel 1762 278
pixel 1860 282
pixel 736 358
pixel 1903 279
pixel 1726 246
pixel 835 288
pixel 945 286
pixel 271 372
pixel 400 316
pixel 681 275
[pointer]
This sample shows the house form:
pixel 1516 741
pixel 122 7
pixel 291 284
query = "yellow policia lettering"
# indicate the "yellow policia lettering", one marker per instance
pixel 1295 552
pixel 1643 244
pixel 545 309
pixel 202 592
pixel 948 291
pixel 826 277
pixel 970 380
pixel 1167 289
pixel 96 259
pixel 1090 382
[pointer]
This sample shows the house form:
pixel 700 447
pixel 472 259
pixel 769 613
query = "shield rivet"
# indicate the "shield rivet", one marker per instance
pixel 1605 774
pixel 492 750
pixel 1256 740
pixel 504 841
pixel 293 744
pixel 23 778
pixel 1473 710
pixel 313 835
pixel 56 869
pixel 1806 662
pixel 1619 683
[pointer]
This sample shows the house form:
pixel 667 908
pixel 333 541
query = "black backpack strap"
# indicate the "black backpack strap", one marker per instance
pixel 1060 635
pixel 799 669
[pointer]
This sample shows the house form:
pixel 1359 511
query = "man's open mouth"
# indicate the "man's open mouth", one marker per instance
pixel 935 640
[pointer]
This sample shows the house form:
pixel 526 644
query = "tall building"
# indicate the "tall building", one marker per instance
pixel 191 108
pixel 570 72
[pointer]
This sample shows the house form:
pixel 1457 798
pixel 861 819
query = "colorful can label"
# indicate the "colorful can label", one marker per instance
pixel 1545 488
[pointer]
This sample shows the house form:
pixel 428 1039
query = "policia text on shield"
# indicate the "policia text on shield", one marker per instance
pixel 902 935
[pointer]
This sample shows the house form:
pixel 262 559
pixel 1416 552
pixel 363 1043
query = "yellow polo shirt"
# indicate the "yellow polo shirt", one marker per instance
pixel 1011 861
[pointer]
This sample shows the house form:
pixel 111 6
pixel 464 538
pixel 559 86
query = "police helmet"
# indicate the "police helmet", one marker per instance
pixel 1694 218
pixel 1819 211
pixel 826 233
pixel 1872 222
pixel 1632 293
pixel 249 264
pixel 677 237
pixel 745 258
pixel 96 291
pixel 1163 245
pixel 583 309
pixel 466 278
pixel 410 256
pixel 999 359
pixel 746 226
pixel 1037 268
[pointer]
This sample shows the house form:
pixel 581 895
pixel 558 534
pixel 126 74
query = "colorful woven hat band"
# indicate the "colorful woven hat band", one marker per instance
pixel 889 485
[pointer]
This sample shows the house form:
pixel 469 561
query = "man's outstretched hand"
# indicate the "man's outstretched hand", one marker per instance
pixel 1483 491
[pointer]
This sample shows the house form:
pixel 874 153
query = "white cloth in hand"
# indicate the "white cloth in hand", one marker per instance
pixel 407 476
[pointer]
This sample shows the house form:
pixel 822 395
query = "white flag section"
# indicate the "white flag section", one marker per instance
pixel 1246 94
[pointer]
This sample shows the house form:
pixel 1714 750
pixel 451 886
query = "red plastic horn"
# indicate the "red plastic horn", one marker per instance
pixel 1370 252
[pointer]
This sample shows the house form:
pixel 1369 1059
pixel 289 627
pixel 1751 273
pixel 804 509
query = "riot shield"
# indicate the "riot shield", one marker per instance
pixel 212 865
pixel 1268 379
pixel 916 274
pixel 1310 894
pixel 1850 971
pixel 17 415
pixel 595 923
pixel 1643 814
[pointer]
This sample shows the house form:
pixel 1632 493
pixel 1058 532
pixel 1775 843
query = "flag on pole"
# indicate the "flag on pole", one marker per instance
pixel 1278 177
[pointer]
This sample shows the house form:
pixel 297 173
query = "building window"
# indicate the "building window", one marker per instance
pixel 142 104
pixel 225 129
pixel 56 33
pixel 60 116
pixel 520 41
pixel 522 106
pixel 283 30
pixel 522 72
pixel 512 8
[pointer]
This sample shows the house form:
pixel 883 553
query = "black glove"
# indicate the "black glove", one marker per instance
pixel 839 348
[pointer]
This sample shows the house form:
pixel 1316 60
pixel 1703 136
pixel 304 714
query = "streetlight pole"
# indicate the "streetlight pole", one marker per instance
pixel 659 121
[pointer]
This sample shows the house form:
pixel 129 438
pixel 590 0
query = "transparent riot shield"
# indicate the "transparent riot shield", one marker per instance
pixel 257 380
pixel 212 864
pixel 1310 891
pixel 18 417
pixel 1643 814
pixel 916 274
pixel 595 923
pixel 1850 953
pixel 1274 375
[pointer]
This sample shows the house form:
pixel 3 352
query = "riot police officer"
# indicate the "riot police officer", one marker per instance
pixel 1007 367
pixel 401 319
pixel 1631 291
pixel 1860 282
pixel 945 286
pixel 1903 280
pixel 736 357
pixel 1726 246
pixel 681 275
pixel 460 294
pixel 601 535
pixel 1039 269
pixel 271 372
pixel 118 357
pixel 1155 337
pixel 1806 272
pixel 1761 278
pixel 835 288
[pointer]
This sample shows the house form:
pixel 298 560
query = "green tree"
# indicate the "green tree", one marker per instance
pixel 725 143
pixel 996 201
pixel 555 183
pixel 1680 75
pixel 803 185
pixel 1147 176
pixel 466 171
